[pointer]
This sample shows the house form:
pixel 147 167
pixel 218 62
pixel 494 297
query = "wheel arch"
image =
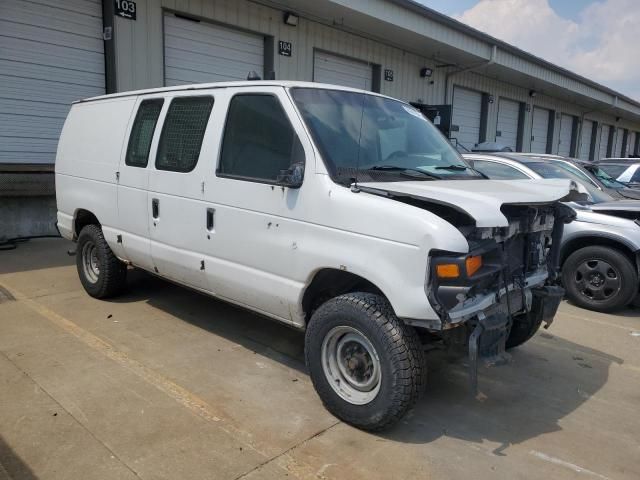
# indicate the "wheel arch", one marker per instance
pixel 327 283
pixel 600 240
pixel 81 219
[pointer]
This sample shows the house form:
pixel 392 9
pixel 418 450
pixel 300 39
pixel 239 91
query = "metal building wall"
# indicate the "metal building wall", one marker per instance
pixel 139 57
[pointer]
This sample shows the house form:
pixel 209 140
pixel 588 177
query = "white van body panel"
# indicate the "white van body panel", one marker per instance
pixel 268 242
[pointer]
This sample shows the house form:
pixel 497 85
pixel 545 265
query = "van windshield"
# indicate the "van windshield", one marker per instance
pixel 370 138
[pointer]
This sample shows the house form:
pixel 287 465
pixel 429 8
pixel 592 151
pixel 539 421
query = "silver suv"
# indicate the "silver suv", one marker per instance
pixel 600 251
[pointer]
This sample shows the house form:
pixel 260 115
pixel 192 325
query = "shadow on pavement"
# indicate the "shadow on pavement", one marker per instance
pixel 13 464
pixel 549 377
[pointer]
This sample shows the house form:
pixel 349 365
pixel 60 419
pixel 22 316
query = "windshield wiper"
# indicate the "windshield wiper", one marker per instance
pixel 460 168
pixel 405 171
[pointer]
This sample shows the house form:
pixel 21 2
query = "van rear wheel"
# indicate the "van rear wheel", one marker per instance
pixel 101 273
pixel 366 365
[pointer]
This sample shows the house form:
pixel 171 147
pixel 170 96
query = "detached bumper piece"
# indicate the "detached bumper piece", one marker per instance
pixel 487 343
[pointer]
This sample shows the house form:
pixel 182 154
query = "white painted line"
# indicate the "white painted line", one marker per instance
pixel 562 463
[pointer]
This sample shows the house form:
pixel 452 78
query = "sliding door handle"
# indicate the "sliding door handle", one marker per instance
pixel 155 208
pixel 210 217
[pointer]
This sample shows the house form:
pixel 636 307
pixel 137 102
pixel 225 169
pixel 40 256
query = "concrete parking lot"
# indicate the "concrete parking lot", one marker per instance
pixel 167 383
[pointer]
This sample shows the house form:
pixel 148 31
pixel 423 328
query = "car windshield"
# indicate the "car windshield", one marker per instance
pixel 613 169
pixel 370 138
pixel 571 168
pixel 553 170
pixel 605 178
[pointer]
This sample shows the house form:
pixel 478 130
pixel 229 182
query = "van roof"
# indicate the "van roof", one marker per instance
pixel 245 83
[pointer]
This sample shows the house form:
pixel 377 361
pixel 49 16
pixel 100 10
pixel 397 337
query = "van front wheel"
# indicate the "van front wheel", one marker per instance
pixel 367 366
pixel 101 273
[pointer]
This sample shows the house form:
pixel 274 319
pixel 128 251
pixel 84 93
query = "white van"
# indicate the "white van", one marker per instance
pixel 334 210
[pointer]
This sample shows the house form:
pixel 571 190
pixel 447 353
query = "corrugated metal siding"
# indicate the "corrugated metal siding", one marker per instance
pixel 539 130
pixel 467 105
pixel 328 68
pixel 604 141
pixel 507 126
pixel 585 140
pixel 51 53
pixel 565 134
pixel 200 52
pixel 617 151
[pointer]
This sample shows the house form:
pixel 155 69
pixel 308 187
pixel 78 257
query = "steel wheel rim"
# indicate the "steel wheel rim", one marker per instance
pixel 597 280
pixel 351 365
pixel 90 264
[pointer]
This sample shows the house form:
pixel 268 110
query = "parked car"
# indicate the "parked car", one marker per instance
pixel 596 176
pixel 600 249
pixel 625 170
pixel 334 210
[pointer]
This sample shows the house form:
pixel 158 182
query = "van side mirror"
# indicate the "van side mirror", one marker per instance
pixel 292 177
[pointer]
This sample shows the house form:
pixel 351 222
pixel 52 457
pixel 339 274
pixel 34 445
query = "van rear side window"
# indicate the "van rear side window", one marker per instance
pixel 182 133
pixel 142 132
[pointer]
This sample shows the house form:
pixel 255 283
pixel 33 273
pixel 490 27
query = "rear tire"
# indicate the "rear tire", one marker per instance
pixel 101 273
pixel 367 366
pixel 599 278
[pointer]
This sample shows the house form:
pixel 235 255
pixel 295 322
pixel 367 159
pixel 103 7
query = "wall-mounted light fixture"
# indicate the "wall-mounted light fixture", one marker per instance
pixel 617 119
pixel 291 19
pixel 426 72
pixel 491 99
pixel 532 93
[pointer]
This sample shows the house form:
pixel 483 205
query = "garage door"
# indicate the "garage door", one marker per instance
pixel 337 70
pixel 585 139
pixel 201 52
pixel 539 130
pixel 51 53
pixel 507 126
pixel 467 106
pixel 604 141
pixel 564 136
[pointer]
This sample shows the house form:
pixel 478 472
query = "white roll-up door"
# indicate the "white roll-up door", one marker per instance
pixel 585 139
pixel 604 141
pixel 51 54
pixel 337 70
pixel 507 126
pixel 466 118
pixel 201 52
pixel 565 134
pixel 539 130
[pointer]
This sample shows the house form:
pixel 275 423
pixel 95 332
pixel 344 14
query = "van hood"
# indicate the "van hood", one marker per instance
pixel 480 199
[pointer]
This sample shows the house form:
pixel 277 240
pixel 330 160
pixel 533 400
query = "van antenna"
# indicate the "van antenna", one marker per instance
pixel 354 187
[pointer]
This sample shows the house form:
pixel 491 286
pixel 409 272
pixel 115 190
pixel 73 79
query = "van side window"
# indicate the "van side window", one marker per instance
pixel 182 133
pixel 142 132
pixel 259 142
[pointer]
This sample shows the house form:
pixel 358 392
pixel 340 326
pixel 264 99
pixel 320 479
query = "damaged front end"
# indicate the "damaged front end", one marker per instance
pixel 507 281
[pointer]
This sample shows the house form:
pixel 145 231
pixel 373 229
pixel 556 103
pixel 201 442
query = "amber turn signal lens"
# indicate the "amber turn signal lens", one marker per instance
pixel 473 264
pixel 448 270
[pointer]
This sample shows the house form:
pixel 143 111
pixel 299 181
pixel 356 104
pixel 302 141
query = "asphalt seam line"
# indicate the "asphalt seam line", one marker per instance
pixel 181 395
pixel 84 427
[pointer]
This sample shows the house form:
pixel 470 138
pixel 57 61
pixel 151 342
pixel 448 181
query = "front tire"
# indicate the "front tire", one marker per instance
pixel 101 273
pixel 599 278
pixel 366 365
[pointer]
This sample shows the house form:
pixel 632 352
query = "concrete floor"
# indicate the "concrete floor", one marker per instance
pixel 166 383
